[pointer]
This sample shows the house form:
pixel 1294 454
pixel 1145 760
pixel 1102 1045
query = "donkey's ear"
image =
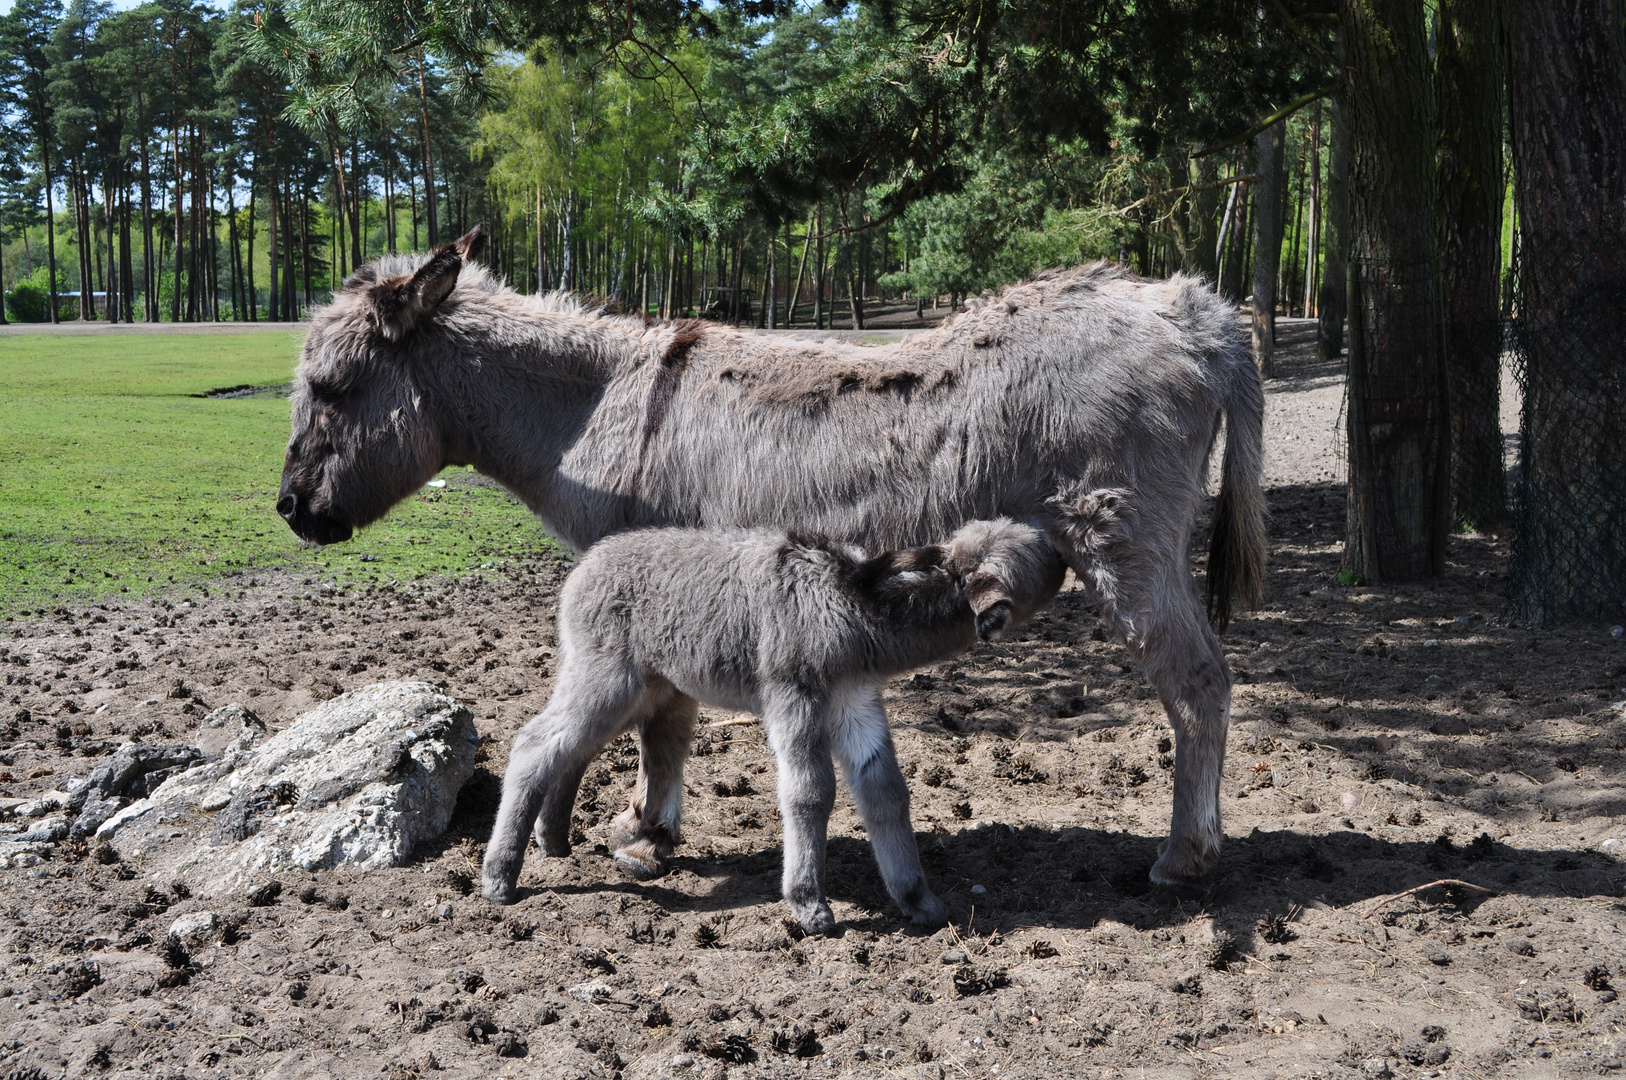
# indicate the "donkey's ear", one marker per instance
pixel 471 244
pixel 401 303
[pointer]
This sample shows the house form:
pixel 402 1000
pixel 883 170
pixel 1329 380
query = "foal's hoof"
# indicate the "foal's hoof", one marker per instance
pixel 640 861
pixel 816 919
pixel 500 893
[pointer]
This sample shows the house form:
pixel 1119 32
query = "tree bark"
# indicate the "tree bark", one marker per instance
pixel 1568 122
pixel 1468 80
pixel 1330 301
pixel 1267 245
pixel 1399 431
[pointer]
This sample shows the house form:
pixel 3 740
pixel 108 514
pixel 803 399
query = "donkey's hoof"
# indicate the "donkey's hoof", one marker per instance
pixel 624 829
pixel 639 862
pixel 929 914
pixel 1178 867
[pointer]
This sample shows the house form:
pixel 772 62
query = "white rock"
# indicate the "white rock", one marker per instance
pixel 193 927
pixel 43 804
pixel 597 990
pixel 358 781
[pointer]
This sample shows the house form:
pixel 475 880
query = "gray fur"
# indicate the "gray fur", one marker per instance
pixel 801 631
pixel 1057 392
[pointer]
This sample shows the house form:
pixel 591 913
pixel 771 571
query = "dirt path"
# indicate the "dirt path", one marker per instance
pixel 1382 739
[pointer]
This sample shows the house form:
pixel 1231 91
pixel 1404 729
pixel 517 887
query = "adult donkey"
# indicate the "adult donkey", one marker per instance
pixel 1088 390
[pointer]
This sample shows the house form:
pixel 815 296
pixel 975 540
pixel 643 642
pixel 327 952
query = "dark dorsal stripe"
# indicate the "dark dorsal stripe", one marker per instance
pixel 667 376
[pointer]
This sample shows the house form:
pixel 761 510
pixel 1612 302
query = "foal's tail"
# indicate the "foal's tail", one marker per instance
pixel 1236 550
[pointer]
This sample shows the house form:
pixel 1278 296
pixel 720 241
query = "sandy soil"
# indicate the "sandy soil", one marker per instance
pixel 1383 739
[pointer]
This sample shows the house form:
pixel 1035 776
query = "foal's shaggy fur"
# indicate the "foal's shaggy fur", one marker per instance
pixel 1085 390
pixel 803 632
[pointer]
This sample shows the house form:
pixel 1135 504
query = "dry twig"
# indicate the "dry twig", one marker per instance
pixel 1378 904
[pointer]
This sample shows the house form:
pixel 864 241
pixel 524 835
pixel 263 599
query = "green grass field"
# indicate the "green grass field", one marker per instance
pixel 116 478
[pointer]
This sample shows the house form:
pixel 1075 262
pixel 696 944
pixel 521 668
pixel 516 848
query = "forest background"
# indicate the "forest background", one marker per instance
pixel 1442 179
pixel 239 186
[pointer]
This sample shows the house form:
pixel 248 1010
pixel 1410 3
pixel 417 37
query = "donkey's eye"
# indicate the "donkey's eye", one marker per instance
pixel 326 391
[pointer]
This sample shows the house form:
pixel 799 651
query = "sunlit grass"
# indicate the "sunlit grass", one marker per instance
pixel 114 478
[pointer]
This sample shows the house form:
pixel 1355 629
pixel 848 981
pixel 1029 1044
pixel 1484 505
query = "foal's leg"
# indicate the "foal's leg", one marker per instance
pixel 862 742
pixel 799 735
pixel 645 833
pixel 590 706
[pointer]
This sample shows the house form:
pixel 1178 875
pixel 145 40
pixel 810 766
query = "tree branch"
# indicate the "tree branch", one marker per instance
pixel 1298 32
pixel 1276 117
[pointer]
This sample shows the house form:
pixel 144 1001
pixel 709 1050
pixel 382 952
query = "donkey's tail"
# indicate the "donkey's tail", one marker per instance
pixel 1236 550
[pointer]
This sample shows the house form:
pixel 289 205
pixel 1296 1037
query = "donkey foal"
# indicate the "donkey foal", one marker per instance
pixel 801 631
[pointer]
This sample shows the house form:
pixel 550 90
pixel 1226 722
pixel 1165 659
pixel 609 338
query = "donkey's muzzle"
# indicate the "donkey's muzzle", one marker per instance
pixel 317 528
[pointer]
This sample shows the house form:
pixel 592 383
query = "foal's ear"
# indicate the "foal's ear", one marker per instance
pixel 401 303
pixel 991 602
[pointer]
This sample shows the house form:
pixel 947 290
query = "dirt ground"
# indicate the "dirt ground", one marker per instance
pixel 1382 739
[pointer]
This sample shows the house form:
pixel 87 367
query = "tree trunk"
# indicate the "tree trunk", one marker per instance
pixel 1335 244
pixel 1468 80
pixel 50 226
pixel 1399 432
pixel 765 313
pixel 110 209
pixel 1569 554
pixel 428 158
pixel 818 271
pixel 239 310
pixel 1200 253
pixel 273 297
pixel 1267 244
pixel 357 225
pixel 149 270
pixel 3 270
pixel 175 291
pixel 248 275
pixel 1290 270
pixel 1232 243
pixel 1312 245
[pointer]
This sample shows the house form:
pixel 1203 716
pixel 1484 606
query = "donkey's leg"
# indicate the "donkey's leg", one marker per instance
pixel 1158 616
pixel 799 735
pixel 862 742
pixel 589 707
pixel 645 833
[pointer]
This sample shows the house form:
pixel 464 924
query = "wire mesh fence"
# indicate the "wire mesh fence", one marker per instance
pixel 1561 332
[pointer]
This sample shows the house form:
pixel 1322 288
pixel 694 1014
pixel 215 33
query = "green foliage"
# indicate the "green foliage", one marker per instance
pixel 589 140
pixel 30 300
pixel 115 477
